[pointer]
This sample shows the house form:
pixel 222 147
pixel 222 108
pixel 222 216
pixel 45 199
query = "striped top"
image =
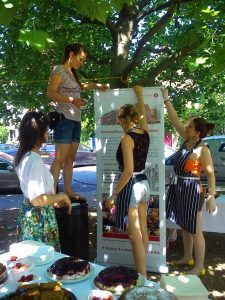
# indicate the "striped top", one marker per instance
pixel 68 87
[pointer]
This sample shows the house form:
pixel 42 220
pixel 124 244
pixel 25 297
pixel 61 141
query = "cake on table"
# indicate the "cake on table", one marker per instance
pixel 146 293
pixel 3 273
pixel 117 279
pixel 68 268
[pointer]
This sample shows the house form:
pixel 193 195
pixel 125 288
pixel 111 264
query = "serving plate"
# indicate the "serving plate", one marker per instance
pixel 20 266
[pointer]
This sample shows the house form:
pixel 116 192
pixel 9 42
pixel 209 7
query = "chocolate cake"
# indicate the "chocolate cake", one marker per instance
pixel 117 279
pixel 3 273
pixel 69 268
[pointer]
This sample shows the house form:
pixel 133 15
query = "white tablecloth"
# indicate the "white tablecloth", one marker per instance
pixel 80 289
pixel 214 222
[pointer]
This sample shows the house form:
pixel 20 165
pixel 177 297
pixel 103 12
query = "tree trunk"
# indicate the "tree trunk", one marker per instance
pixel 121 39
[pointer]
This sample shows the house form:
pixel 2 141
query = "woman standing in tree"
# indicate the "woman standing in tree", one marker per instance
pixel 64 88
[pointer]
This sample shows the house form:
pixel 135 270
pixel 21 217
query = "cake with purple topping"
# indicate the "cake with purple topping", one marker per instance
pixel 69 268
pixel 117 279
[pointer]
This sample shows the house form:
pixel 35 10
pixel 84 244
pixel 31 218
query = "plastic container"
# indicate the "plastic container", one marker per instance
pixel 74 229
pixel 20 266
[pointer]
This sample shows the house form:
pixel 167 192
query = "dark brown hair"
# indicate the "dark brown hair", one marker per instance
pixel 75 48
pixel 31 133
pixel 129 112
pixel 203 126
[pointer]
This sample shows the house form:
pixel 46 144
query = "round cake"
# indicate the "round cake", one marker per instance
pixel 3 273
pixel 147 293
pixel 117 279
pixel 69 268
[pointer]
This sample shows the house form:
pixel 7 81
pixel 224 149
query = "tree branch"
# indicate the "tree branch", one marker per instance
pixel 157 8
pixel 166 50
pixel 162 22
pixel 168 62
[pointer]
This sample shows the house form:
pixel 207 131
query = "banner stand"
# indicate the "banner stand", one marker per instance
pixel 113 245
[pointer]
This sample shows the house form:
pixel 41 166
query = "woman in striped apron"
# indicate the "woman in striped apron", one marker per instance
pixel 132 192
pixel 185 198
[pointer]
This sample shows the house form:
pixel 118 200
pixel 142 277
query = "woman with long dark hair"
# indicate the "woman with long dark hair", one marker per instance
pixel 36 218
pixel 64 88
pixel 185 197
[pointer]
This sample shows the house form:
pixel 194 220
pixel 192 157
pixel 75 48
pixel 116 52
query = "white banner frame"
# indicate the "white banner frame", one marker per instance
pixel 113 247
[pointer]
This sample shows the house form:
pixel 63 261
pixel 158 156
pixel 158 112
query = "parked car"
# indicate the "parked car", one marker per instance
pixel 9 180
pixel 216 145
pixel 85 155
pixel 5 147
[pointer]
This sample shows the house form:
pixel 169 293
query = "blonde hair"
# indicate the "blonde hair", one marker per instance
pixel 130 113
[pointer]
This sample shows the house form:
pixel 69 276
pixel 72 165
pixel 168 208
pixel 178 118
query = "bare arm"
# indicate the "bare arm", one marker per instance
pixel 207 163
pixel 127 150
pixel 141 106
pixel 53 94
pixel 173 117
pixel 95 86
pixel 50 199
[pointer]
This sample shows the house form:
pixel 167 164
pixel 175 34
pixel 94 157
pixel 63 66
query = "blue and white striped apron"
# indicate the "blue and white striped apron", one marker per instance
pixel 123 200
pixel 183 196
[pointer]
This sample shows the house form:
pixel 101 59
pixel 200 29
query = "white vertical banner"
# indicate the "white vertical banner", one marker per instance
pixel 113 245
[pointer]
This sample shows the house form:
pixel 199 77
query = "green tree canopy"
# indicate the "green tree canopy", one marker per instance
pixel 178 43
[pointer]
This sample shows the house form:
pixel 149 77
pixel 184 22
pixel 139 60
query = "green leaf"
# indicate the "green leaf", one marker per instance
pixel 35 38
pixel 210 11
pixel 7 11
pixel 194 63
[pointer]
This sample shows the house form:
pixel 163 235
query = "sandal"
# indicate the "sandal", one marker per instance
pixel 78 198
pixel 196 271
pixel 190 262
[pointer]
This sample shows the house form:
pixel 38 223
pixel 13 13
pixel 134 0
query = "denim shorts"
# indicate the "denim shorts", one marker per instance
pixel 67 132
pixel 140 193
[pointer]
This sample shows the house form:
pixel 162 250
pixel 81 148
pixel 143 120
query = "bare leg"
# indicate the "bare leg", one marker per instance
pixel 142 212
pixel 138 246
pixel 199 247
pixel 188 243
pixel 68 169
pixel 61 152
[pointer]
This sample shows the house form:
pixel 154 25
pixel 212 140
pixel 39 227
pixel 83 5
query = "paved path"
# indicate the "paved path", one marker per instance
pixel 84 183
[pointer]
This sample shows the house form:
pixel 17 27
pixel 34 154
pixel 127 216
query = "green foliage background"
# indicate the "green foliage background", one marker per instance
pixel 3 134
pixel 177 43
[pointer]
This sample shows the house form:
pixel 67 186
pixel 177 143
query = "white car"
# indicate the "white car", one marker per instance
pixel 216 145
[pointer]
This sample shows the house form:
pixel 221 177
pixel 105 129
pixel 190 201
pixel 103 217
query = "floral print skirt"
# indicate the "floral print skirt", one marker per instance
pixel 38 223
